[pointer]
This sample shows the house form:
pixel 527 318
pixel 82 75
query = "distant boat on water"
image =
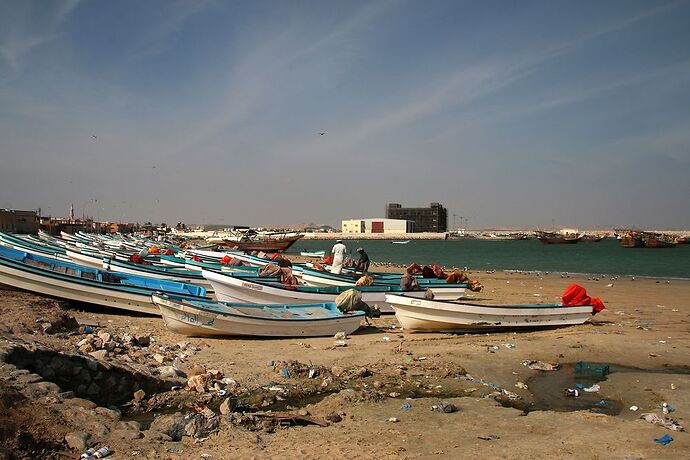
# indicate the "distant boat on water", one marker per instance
pixel 640 239
pixel 400 242
pixel 557 238
pixel 251 240
pixel 312 253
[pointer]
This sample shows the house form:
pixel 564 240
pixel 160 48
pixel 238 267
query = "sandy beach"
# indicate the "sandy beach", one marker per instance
pixel 643 335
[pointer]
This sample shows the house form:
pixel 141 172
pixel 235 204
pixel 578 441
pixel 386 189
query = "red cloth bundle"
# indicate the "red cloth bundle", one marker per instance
pixel 226 260
pixel 575 295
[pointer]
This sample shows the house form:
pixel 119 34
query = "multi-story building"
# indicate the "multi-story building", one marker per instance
pixel 377 225
pixel 14 221
pixel 431 219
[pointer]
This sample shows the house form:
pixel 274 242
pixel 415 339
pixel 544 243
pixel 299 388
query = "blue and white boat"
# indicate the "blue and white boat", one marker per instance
pixel 241 288
pixel 65 280
pixel 203 317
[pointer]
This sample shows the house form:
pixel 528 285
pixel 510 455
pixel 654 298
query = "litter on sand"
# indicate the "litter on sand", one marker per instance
pixel 664 440
pixel 666 422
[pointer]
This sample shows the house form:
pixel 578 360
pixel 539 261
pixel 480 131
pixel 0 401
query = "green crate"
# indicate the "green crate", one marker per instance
pixel 592 369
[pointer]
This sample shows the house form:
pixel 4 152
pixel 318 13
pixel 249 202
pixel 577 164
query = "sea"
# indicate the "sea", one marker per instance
pixel 606 257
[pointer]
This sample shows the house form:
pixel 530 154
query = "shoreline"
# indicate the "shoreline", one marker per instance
pixel 644 330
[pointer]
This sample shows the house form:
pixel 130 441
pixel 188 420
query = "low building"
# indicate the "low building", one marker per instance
pixel 378 225
pixel 14 221
pixel 432 219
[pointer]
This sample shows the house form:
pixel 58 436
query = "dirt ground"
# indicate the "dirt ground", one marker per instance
pixel 643 335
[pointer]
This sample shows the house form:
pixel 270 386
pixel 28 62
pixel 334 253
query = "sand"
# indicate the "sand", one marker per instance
pixel 645 326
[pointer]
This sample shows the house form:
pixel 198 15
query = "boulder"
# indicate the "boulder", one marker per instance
pixel 77 440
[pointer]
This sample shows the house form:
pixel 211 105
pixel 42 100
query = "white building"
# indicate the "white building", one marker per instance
pixel 378 225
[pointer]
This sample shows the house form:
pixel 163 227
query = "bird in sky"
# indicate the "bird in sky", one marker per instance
pixel 94 136
pixel 321 134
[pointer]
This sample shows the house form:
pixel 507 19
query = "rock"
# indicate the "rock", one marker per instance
pixel 98 429
pixel 104 336
pixel 129 425
pixel 168 372
pixel 6 454
pixel 77 440
pixel 198 382
pixel 86 348
pixel 97 343
pixel 80 402
pixel 139 395
pixel 362 372
pixel 340 336
pixel 156 436
pixel 40 389
pixel 143 340
pixel 337 371
pixel 334 417
pixel 109 345
pixel 159 358
pixel 196 370
pixel 127 434
pixel 110 413
pixel 228 406
pixel 446 407
pixel 170 425
pixel 100 354
pixel 84 341
pixel 93 389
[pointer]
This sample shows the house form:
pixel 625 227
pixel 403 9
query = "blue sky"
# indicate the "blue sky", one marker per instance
pixel 508 113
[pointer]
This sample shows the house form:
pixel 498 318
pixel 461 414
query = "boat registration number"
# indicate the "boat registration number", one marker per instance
pixel 256 287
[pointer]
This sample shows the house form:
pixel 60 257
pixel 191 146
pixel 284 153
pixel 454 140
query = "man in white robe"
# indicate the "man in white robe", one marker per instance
pixel 339 250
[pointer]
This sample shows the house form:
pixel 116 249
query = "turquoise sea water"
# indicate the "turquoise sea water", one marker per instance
pixel 605 257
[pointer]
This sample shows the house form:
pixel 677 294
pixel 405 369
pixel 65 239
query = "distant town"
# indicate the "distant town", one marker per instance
pixel 429 222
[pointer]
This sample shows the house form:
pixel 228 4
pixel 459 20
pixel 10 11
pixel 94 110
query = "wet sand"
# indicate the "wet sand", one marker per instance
pixel 645 326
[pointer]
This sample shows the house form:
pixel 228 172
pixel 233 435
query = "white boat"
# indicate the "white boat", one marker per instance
pixel 400 242
pixel 434 315
pixel 47 276
pixel 211 318
pixel 257 290
pixel 312 253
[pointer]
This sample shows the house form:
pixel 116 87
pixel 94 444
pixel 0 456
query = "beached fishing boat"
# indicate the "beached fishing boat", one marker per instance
pixel 241 288
pixel 434 315
pixel 312 277
pixel 255 241
pixel 56 278
pixel 195 317
pixel 312 253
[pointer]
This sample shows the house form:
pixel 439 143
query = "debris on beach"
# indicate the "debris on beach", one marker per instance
pixel 666 422
pixel 664 440
pixel 540 365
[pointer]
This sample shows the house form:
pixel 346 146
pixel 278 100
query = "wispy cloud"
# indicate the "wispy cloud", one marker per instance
pixel 476 80
pixel 21 32
pixel 253 81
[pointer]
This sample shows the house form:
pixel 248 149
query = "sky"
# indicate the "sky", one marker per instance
pixel 509 113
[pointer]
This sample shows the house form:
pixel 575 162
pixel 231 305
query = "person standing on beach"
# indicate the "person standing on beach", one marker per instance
pixel 339 250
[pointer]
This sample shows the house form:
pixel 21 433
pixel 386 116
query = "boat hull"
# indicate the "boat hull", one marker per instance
pixel 233 289
pixel 193 321
pixel 65 289
pixel 265 245
pixel 426 315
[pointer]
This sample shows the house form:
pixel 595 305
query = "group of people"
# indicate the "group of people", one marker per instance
pixel 339 253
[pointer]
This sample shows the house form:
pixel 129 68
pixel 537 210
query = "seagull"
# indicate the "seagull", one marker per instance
pixel 94 136
pixel 321 134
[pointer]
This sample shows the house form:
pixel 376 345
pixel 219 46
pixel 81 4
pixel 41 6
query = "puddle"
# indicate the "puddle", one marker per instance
pixel 547 389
